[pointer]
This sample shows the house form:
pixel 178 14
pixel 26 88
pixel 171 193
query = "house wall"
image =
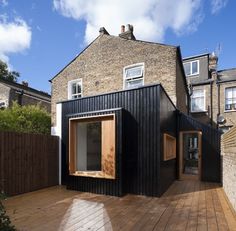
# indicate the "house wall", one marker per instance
pixel 11 92
pixel 101 65
pixel 181 95
pixel 228 153
pixel 140 153
pixel 28 99
pixel 203 69
pixel 4 93
pixel 230 116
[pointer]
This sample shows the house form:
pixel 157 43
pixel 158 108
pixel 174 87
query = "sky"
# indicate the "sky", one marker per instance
pixel 38 38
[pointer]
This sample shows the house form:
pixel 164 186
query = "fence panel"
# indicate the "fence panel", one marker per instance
pixel 28 162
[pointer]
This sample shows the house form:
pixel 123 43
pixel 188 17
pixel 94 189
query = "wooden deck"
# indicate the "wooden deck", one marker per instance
pixel 187 205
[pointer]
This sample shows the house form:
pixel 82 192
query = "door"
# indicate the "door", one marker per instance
pixel 190 155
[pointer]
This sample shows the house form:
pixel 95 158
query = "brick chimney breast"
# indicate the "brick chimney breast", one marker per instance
pixel 128 34
pixel 213 60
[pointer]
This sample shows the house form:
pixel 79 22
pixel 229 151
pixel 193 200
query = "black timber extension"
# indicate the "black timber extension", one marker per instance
pixel 143 115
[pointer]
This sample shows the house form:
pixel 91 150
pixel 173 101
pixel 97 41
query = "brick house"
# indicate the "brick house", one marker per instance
pixel 22 94
pixel 119 109
pixel 213 91
pixel 113 63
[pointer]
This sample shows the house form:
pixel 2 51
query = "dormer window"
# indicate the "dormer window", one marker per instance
pixel 191 68
pixel 75 89
pixel 133 76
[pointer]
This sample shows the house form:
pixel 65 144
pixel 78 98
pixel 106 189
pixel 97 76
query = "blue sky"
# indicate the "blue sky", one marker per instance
pixel 38 38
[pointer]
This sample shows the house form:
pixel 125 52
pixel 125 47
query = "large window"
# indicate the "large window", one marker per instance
pixel 230 99
pixel 88 147
pixel 92 146
pixel 198 101
pixel 75 89
pixel 191 68
pixel 133 76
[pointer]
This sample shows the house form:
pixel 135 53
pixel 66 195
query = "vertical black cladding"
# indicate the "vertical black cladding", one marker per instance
pixel 168 124
pixel 211 161
pixel 138 144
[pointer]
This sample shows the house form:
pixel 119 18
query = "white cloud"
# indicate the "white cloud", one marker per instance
pixel 217 5
pixel 4 2
pixel 151 18
pixel 14 37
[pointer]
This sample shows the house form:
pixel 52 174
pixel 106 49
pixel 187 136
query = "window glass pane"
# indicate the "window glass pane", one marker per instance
pixel 228 93
pixel 194 67
pixel 134 83
pixel 78 88
pixel 234 91
pixel 134 72
pixel 89 146
pixel 73 88
pixel 197 101
pixel 198 93
pixel 187 68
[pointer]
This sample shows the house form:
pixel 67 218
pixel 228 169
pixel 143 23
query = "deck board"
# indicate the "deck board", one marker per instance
pixel 187 205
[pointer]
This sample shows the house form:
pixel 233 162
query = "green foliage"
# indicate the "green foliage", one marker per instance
pixel 6 74
pixel 28 119
pixel 5 223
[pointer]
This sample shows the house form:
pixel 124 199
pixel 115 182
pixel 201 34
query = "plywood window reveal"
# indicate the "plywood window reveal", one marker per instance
pixel 169 147
pixel 92 146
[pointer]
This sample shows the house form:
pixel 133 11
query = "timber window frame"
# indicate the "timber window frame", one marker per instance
pixel 198 98
pixel 169 147
pixel 230 96
pixel 190 65
pixel 108 146
pixel 133 74
pixel 75 89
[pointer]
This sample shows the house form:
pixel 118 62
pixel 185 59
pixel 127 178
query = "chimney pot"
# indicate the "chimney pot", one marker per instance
pixel 122 28
pixel 130 28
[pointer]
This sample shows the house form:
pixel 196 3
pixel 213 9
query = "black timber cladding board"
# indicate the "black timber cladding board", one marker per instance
pixel 211 160
pixel 168 124
pixel 141 140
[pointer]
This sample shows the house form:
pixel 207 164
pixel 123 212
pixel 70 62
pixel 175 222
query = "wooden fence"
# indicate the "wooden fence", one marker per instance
pixel 228 152
pixel 28 162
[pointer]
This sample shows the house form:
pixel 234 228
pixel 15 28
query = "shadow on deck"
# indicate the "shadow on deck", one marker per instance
pixel 187 205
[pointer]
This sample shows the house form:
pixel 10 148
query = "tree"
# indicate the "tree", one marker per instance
pixel 29 119
pixel 6 74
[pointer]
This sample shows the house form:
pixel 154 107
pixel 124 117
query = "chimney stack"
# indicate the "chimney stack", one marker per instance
pixel 25 83
pixel 213 60
pixel 102 30
pixel 128 34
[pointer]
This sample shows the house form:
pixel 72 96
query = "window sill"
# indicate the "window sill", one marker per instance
pixel 227 111
pixel 195 112
pixel 194 75
pixel 93 174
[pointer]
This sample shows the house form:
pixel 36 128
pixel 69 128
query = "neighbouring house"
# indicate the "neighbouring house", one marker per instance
pixel 22 94
pixel 213 92
pixel 120 109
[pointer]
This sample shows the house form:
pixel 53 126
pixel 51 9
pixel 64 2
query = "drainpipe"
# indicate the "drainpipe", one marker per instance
pixel 211 103
pixel 20 94
pixel 218 101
